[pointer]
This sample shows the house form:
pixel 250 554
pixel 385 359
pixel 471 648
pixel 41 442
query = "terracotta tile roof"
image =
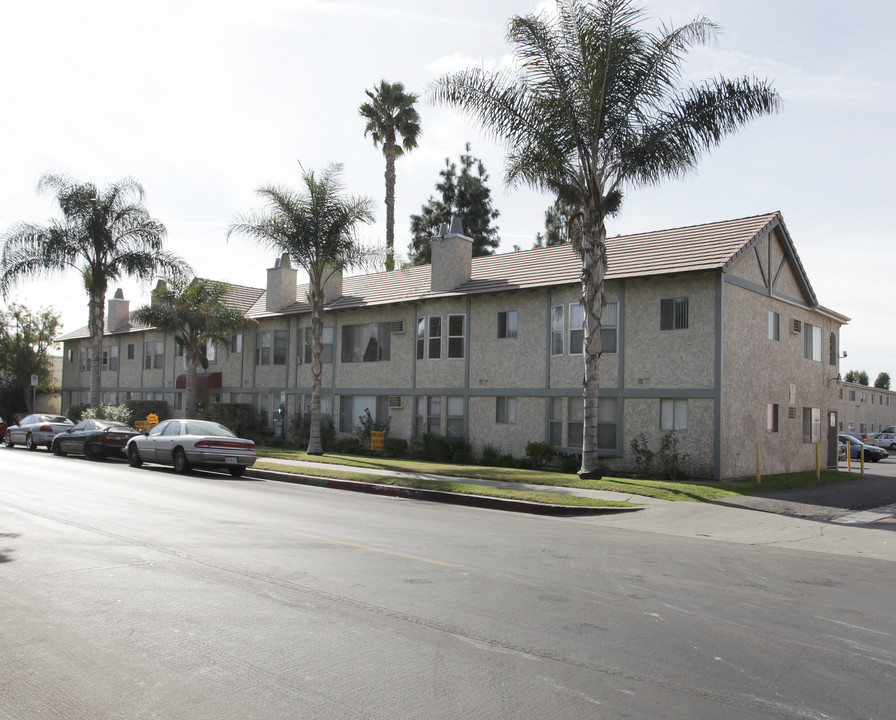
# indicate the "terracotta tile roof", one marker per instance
pixel 711 246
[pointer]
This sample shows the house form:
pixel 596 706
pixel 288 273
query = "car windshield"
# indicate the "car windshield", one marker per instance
pixel 204 427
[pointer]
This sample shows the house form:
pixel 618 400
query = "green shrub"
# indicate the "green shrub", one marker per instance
pixel 436 448
pixel 508 461
pixel 671 458
pixel 491 455
pixel 643 456
pixel 74 412
pixel 539 454
pixel 570 465
pixel 347 446
pixel 300 431
pixel 395 447
pixel 120 413
pixel 141 408
pixel 368 425
pixel 240 418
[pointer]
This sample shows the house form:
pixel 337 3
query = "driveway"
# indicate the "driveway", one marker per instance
pixel 836 502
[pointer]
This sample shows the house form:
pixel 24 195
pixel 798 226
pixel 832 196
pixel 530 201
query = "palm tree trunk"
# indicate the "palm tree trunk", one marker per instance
pixel 594 269
pixel 190 400
pixel 315 446
pixel 390 205
pixel 95 328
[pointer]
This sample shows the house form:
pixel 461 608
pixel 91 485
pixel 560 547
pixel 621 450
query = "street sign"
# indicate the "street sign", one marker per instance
pixel 34 381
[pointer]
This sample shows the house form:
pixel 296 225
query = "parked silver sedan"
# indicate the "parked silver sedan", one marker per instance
pixel 185 444
pixel 36 430
pixel 884 440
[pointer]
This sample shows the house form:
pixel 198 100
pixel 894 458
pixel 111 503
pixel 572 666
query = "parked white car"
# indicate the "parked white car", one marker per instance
pixel 32 431
pixel 185 444
pixel 884 440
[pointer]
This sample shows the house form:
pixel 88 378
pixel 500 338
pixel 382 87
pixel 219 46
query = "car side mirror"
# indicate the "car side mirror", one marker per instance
pixel 144 433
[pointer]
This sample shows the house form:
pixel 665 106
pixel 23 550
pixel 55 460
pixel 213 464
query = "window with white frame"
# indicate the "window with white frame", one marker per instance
pixel 110 356
pixel 353 408
pixel 454 417
pixel 812 345
pixel 505 410
pixel 555 427
pixel 772 421
pixel 368 342
pixel 279 354
pixel 211 352
pixel 326 341
pixel 812 425
pixel 576 329
pixel 435 338
pixel 236 343
pixel 131 351
pixel 428 415
pixel 557 330
pixel 606 423
pixel 575 422
pixel 456 335
pixel 154 355
pixel 674 313
pixel 507 324
pixel 263 348
pixel 774 325
pixel 178 401
pixel 673 414
pixel 609 329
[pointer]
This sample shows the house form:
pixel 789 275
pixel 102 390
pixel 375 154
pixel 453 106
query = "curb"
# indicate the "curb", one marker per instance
pixel 479 501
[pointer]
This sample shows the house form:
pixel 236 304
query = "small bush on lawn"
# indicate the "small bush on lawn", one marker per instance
pixel 395 447
pixel 539 454
pixel 436 448
pixel 491 455
pixel 300 431
pixel 347 446
pixel 240 418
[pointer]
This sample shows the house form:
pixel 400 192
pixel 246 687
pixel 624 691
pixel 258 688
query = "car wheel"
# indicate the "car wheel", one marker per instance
pixel 893 446
pixel 29 442
pixel 179 459
pixel 8 441
pixel 237 471
pixel 89 452
pixel 134 459
pixel 57 449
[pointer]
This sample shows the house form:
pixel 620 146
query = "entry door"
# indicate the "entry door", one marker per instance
pixel 832 439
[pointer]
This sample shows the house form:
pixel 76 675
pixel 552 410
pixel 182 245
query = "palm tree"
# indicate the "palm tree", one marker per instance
pixel 391 113
pixel 196 314
pixel 317 227
pixel 103 234
pixel 596 106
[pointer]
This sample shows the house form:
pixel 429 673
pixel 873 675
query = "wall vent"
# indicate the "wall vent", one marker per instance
pixel 395 402
pixel 796 326
pixel 397 327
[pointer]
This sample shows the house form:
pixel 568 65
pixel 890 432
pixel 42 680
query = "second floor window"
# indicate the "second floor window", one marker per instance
pixel 609 329
pixel 812 342
pixel 774 325
pixel 429 338
pixel 674 314
pixel 326 341
pixel 456 335
pixel 557 330
pixel 154 355
pixel 507 324
pixel 370 342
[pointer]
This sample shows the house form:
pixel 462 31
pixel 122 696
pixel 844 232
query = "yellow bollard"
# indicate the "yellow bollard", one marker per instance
pixel 848 457
pixel 817 461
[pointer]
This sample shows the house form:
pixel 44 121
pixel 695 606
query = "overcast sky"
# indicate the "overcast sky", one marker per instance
pixel 203 101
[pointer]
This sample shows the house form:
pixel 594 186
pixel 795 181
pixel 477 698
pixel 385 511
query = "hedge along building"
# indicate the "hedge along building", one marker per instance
pixel 711 332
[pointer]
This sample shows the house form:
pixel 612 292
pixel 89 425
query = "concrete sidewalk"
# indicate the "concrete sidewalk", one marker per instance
pixel 869 534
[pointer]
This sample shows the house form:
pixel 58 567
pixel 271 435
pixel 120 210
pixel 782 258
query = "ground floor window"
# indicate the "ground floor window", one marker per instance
pixel 606 423
pixel 454 421
pixel 673 414
pixel 428 415
pixel 772 425
pixel 811 425
pixel 353 407
pixel 178 401
pixel 505 410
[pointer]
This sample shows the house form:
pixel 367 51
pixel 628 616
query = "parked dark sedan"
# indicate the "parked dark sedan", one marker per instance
pixel 94 439
pixel 2 429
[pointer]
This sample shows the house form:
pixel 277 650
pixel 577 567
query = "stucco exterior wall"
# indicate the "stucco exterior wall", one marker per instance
pixel 865 409
pixel 758 372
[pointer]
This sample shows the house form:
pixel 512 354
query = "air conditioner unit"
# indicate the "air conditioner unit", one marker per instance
pixel 395 402
pixel 397 327
pixel 796 326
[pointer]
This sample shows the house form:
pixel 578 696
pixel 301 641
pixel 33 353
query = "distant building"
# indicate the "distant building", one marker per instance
pixel 712 332
pixel 865 409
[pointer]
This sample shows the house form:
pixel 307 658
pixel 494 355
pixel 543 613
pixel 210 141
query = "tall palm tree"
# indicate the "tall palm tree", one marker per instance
pixel 103 234
pixel 390 114
pixel 317 227
pixel 196 313
pixel 596 106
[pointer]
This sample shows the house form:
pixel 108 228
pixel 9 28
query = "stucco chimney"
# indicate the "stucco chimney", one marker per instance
pixel 281 287
pixel 452 257
pixel 332 284
pixel 118 312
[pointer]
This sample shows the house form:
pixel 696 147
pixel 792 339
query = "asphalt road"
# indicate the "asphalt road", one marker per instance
pixel 139 594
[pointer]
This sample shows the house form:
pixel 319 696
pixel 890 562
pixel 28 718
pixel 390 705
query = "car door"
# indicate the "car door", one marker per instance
pixel 20 431
pixel 166 441
pixel 70 441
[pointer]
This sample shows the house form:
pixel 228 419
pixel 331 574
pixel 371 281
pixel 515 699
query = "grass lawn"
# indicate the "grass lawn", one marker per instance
pixel 688 491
